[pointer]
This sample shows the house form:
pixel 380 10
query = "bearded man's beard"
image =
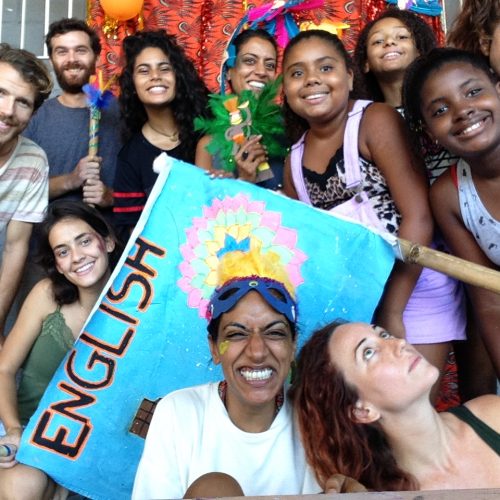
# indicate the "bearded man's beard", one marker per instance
pixel 72 84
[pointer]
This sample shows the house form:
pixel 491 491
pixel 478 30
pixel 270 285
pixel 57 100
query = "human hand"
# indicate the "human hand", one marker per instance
pixel 338 483
pixel 9 444
pixel 86 169
pixel 248 158
pixel 96 193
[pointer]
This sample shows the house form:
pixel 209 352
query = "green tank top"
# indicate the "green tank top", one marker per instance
pixel 50 347
pixel 484 431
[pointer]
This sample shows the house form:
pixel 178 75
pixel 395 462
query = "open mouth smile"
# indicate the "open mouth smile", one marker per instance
pixel 471 128
pixel 85 268
pixel 391 55
pixel 4 126
pixel 317 95
pixel 251 375
pixel 255 84
pixel 157 89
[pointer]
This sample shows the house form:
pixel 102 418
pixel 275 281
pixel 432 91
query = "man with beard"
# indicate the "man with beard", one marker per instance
pixel 24 84
pixel 61 125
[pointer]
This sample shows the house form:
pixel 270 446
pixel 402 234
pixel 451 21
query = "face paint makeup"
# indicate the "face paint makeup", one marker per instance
pixel 223 347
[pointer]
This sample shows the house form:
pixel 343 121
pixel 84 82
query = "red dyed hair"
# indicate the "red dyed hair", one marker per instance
pixel 333 442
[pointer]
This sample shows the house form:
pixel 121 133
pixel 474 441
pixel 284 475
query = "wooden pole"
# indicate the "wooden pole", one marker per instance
pixel 461 269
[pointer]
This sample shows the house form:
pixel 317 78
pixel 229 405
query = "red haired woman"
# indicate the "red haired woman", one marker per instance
pixel 361 397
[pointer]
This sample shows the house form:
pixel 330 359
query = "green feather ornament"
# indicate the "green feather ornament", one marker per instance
pixel 237 117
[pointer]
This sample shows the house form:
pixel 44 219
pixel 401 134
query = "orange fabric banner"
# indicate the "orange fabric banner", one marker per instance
pixel 202 27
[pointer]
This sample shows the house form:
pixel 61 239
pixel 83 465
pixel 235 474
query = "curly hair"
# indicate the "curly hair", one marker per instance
pixel 476 19
pixel 421 70
pixel 423 38
pixel 66 292
pixel 31 69
pixel 334 444
pixel 66 25
pixel 295 125
pixel 191 94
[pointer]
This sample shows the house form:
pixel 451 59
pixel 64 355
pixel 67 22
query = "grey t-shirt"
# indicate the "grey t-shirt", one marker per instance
pixel 63 133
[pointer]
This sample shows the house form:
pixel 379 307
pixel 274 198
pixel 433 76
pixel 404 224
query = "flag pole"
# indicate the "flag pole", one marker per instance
pixel 461 269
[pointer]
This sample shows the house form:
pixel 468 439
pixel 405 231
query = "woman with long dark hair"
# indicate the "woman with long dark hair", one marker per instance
pixel 78 250
pixel 160 95
pixel 251 71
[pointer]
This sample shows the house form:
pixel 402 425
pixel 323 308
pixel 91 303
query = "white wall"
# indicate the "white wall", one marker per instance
pixel 23 23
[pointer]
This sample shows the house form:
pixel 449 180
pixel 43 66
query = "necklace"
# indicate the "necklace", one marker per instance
pixel 278 401
pixel 174 136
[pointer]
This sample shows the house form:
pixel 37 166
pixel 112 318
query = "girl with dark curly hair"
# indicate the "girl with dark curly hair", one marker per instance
pixel 386 47
pixel 361 398
pixel 78 250
pixel 477 30
pixel 161 94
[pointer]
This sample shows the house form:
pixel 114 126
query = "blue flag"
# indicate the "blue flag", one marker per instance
pixel 147 334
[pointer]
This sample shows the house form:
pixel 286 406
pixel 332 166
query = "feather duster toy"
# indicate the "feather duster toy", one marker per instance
pixel 98 97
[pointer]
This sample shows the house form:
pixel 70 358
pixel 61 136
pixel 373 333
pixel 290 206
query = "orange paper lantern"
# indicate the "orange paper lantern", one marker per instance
pixel 122 9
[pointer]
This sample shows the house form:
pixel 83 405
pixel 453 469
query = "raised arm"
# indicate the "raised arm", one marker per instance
pixel 384 140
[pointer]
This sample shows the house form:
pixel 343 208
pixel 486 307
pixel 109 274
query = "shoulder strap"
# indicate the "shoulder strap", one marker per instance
pixel 351 147
pixel 454 176
pixel 296 155
pixel 484 431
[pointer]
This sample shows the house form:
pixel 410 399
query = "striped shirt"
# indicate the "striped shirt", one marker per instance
pixel 24 184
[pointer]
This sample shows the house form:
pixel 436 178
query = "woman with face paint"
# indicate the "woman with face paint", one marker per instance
pixel 78 250
pixel 361 398
pixel 241 426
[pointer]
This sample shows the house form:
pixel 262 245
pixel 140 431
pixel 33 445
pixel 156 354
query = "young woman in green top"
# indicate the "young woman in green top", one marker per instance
pixel 78 250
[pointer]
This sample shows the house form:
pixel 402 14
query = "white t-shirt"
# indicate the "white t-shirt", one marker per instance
pixel 191 434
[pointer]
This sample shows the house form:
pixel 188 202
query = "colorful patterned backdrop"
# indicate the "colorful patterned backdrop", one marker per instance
pixel 203 27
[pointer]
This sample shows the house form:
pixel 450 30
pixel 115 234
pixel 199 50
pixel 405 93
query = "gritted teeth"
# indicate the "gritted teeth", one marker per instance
pixel 262 374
